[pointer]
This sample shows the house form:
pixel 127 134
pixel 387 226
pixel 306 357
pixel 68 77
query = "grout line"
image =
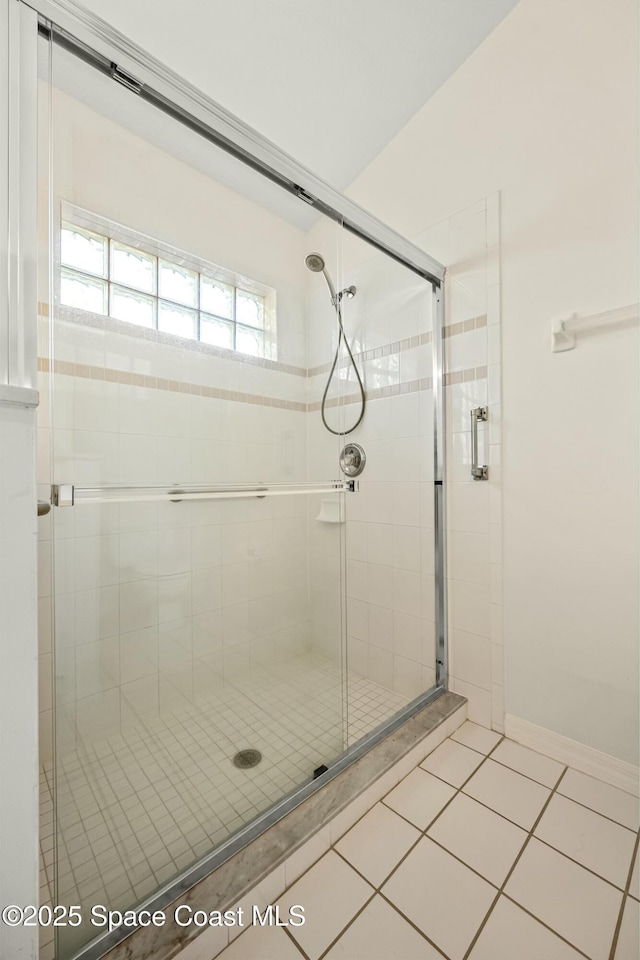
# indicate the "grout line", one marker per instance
pixel 625 896
pixel 513 867
pixel 603 815
pixel 89 775
pixel 451 785
pixel 412 924
pixel 288 934
pixel 545 925
pixel 422 836
pixel 350 922
pixel 377 891
pixel 578 864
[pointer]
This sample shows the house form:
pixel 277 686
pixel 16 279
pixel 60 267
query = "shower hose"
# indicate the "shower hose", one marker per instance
pixel 342 336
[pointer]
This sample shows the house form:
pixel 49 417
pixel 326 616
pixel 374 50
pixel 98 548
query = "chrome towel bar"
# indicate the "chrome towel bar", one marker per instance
pixel 68 495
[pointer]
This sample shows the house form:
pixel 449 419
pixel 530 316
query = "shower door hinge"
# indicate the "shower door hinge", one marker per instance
pixel 126 79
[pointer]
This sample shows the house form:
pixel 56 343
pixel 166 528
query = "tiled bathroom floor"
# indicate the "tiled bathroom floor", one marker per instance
pixel 486 851
pixel 136 809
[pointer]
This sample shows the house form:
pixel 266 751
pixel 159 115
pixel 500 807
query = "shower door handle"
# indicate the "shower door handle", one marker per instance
pixel 477 472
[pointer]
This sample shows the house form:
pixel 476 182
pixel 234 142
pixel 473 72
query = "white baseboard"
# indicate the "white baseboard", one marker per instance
pixel 618 773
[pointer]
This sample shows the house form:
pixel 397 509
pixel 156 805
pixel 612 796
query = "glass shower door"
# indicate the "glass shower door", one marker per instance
pixel 391 543
pixel 191 689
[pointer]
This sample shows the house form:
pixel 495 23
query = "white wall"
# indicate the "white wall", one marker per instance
pixel 546 112
pixel 18 658
pixel 19 879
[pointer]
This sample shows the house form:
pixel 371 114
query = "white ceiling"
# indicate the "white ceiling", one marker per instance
pixel 330 81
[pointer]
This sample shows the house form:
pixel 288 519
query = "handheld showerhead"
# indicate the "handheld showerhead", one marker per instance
pixel 315 262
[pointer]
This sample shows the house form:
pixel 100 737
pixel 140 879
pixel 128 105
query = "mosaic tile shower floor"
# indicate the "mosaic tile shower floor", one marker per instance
pixel 137 808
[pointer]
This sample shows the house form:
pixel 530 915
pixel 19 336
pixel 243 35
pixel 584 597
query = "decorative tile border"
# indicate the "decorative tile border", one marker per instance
pixel 87 372
pixel 465 326
pixel 411 386
pixel 400 346
pixel 99 322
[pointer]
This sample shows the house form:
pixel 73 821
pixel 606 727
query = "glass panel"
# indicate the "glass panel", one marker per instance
pixel 133 267
pixel 222 620
pixel 250 341
pixel 217 332
pixel 176 320
pixel 177 283
pixel 84 250
pixel 83 292
pixel 216 297
pixel 392 310
pixel 249 309
pixel 132 307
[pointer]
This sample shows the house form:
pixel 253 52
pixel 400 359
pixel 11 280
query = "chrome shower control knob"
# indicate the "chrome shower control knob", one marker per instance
pixel 352 460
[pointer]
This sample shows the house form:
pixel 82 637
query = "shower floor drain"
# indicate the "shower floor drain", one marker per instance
pixel 247 758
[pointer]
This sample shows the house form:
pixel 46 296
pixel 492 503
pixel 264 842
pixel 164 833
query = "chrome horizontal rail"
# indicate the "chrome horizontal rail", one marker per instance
pixel 68 495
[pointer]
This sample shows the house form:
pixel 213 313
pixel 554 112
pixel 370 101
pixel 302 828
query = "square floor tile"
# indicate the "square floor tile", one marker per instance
pixel 452 762
pixel 511 934
pixel 595 842
pixel 507 792
pixel 377 842
pixel 380 933
pixel 478 836
pixel 628 946
pixel 444 899
pixel 477 737
pixel 259 943
pixel 579 906
pixel 528 762
pixel 601 797
pixel 419 797
pixel 331 893
pixel 211 943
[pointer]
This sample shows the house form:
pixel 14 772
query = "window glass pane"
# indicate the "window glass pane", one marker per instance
pixel 132 267
pixel 132 307
pixel 83 292
pixel 216 297
pixel 250 341
pixel 177 283
pixel 217 332
pixel 176 320
pixel 249 309
pixel 84 250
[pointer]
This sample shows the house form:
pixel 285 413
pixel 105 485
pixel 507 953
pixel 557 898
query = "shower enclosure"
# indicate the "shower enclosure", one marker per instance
pixel 233 612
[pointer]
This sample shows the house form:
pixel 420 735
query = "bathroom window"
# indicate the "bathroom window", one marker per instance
pixel 149 285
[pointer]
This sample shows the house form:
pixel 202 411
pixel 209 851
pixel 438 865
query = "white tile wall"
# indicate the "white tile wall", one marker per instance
pixel 389 528
pixel 152 597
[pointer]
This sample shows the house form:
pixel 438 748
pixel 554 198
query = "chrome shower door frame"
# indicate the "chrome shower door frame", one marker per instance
pixel 109 51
